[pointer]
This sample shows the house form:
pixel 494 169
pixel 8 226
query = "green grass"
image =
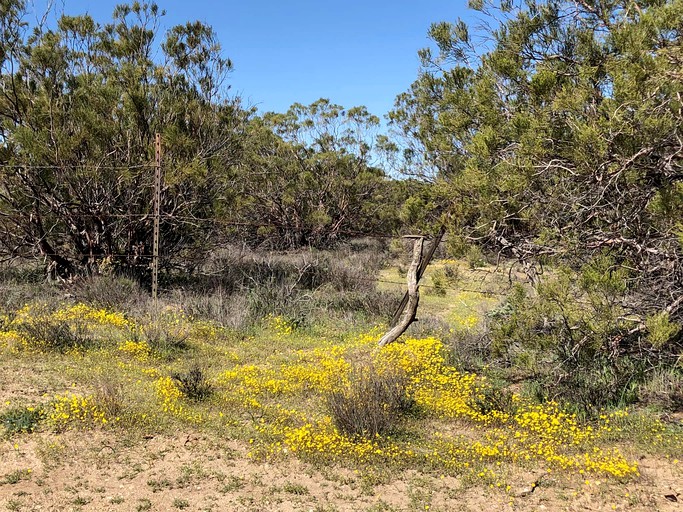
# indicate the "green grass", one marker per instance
pixel 466 298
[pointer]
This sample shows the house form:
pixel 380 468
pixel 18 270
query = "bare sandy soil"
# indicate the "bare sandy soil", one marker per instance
pixel 106 471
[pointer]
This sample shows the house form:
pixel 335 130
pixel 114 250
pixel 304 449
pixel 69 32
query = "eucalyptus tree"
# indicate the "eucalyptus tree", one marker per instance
pixel 308 176
pixel 80 104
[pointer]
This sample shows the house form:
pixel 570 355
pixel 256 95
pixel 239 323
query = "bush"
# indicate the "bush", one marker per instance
pixel 193 384
pixel 452 274
pixel 470 350
pixel 109 292
pixel 237 287
pixel 166 332
pixel 663 389
pixel 372 404
pixel 226 309
pixel 438 286
pixel 56 335
pixel 109 397
pixel 21 419
pixel 475 257
pixel 24 284
pixel 577 339
pixel 592 386
pixel 372 304
pixel 495 399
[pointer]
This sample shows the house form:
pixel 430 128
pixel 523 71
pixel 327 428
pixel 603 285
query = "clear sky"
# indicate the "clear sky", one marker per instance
pixel 353 52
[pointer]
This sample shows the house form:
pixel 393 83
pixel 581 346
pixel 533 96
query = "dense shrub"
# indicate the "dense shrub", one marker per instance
pixel 57 335
pixel 109 292
pixel 576 337
pixel 166 333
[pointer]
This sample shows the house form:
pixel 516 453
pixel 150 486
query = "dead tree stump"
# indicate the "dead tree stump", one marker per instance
pixel 408 316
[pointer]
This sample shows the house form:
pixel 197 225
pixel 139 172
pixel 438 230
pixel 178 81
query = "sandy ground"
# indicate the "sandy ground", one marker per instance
pixel 103 471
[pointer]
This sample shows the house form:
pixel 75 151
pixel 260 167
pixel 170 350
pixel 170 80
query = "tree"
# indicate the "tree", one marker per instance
pixel 307 177
pixel 556 136
pixel 79 108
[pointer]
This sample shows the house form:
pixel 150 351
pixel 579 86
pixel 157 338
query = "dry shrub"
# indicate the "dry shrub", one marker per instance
pixel 470 351
pixel 374 403
pixel 373 303
pixel 57 335
pixel 193 384
pixel 226 309
pixel 22 284
pixel 109 292
pixel 164 334
pixel 109 397
pixel 663 389
pixel 430 325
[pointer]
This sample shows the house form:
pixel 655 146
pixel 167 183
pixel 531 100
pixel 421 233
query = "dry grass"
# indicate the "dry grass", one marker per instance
pixel 269 383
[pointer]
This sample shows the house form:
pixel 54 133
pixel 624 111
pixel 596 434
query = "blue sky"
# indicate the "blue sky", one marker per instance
pixel 353 52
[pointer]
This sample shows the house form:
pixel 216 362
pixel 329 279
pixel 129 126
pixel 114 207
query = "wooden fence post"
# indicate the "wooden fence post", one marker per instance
pixel 413 294
pixel 157 215
pixel 420 272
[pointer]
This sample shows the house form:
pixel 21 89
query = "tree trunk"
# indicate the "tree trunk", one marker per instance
pixel 410 311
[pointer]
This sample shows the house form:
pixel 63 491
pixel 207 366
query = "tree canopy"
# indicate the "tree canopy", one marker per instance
pixel 79 108
pixel 309 175
pixel 563 137
pixel 555 136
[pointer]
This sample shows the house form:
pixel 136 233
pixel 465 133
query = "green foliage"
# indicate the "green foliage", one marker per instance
pixel 475 257
pixel 438 287
pixel 310 178
pixel 575 337
pixel 180 504
pixel 452 274
pixel 294 488
pixel 19 420
pixel 14 478
pixel 554 136
pixel 83 104
pixel 660 329
pixel 494 398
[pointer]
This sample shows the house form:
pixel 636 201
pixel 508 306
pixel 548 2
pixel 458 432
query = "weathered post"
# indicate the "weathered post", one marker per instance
pixel 157 215
pixel 420 272
pixel 410 310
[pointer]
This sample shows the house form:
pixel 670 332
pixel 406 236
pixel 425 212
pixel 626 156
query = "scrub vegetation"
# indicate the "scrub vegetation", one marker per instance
pixel 546 365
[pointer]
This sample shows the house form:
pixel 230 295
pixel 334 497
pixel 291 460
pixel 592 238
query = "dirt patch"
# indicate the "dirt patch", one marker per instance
pixel 106 471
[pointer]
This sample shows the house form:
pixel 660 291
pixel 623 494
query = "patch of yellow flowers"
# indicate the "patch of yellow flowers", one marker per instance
pixel 137 349
pixel 96 322
pixel 74 410
pixel 169 395
pixel 280 325
pixel 523 433
pixel 94 316
pixel 14 342
pixel 528 432
pixel 171 399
